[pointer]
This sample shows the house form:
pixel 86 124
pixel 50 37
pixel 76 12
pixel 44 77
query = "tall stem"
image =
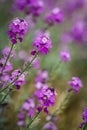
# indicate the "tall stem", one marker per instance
pixel 28 126
pixel 7 59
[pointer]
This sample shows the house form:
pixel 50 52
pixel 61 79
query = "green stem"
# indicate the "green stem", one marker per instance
pixel 28 126
pixel 11 84
pixel 5 97
pixel 7 58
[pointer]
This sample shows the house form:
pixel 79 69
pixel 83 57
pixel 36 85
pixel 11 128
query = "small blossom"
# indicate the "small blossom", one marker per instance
pixel 6 51
pixel 42 76
pixel 65 56
pixel 56 16
pixel 43 43
pixel 84 115
pixel 78 31
pixel 17 29
pixel 75 83
pixel 21 79
pixel 22 55
pixel 50 126
pixel 8 66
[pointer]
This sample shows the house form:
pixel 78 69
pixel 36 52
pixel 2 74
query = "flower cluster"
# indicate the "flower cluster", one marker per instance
pixel 27 110
pixel 56 16
pixel 20 80
pixel 43 43
pixel 17 29
pixel 76 84
pixel 46 96
pixel 34 7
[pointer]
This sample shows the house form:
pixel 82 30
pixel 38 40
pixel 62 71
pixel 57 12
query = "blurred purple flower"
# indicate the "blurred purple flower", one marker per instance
pixel 50 126
pixel 34 7
pixel 56 16
pixel 76 84
pixel 42 76
pixel 65 56
pixel 6 51
pixel 8 66
pixel 84 115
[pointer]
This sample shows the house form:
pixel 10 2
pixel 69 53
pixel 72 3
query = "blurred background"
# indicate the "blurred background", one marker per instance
pixel 75 11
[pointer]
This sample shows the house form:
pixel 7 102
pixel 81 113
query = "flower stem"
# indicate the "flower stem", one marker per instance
pixel 28 126
pixel 4 97
pixel 7 59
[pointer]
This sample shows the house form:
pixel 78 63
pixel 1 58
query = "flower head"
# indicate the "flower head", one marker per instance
pixel 46 97
pixel 43 43
pixel 75 83
pixel 42 76
pixel 65 56
pixel 17 29
pixel 56 16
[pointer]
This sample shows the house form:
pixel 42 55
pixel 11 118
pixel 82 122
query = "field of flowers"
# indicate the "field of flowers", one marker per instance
pixel 43 65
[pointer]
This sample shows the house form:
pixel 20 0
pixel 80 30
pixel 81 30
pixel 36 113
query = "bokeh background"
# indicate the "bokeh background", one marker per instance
pixel 71 116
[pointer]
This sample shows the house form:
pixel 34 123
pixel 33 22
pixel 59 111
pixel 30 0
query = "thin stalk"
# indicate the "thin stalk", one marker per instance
pixel 7 58
pixel 30 123
pixel 4 97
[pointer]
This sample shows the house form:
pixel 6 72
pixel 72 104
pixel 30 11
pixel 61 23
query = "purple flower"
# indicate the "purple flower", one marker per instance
pixel 17 29
pixel 22 55
pixel 43 43
pixel 26 111
pixel 71 6
pixel 21 79
pixel 6 51
pixel 8 66
pixel 84 115
pixel 76 84
pixel 5 78
pixel 46 97
pixel 20 123
pixel 65 56
pixel 42 76
pixel 34 7
pixel 56 16
pixel 78 31
pixel 50 126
